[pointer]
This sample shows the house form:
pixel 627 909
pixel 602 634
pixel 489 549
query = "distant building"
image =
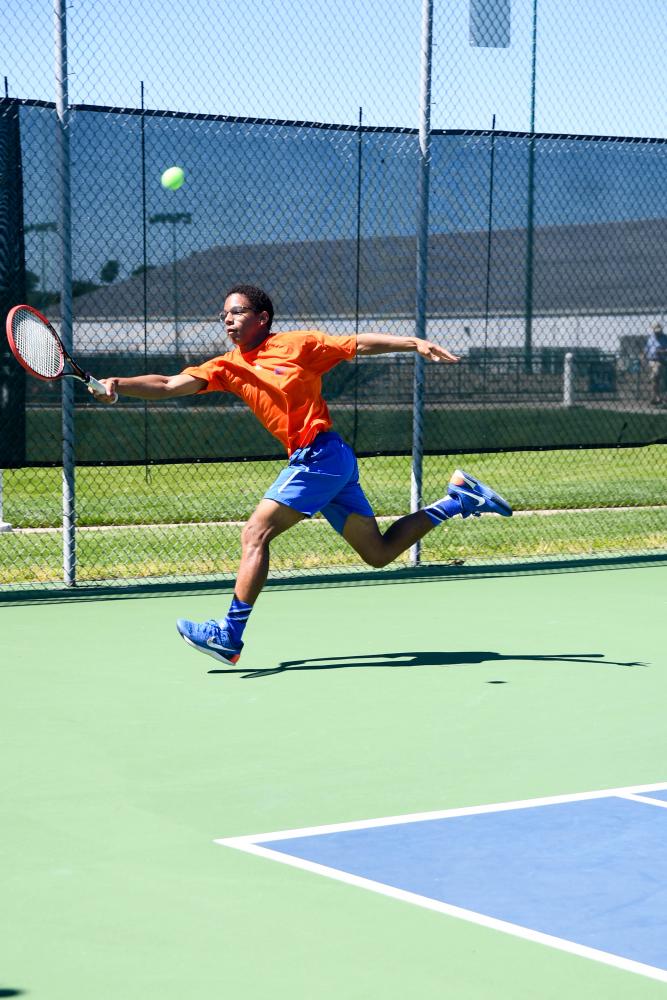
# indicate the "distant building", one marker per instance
pixel 593 286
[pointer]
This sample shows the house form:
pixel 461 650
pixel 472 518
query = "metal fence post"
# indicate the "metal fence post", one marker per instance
pixel 62 124
pixel 422 262
pixel 530 222
pixel 568 379
pixel 4 525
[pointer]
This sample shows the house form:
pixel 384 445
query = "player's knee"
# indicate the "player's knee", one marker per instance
pixel 367 543
pixel 255 535
pixel 375 558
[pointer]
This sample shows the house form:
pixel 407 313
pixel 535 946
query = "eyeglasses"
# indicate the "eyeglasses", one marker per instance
pixel 234 311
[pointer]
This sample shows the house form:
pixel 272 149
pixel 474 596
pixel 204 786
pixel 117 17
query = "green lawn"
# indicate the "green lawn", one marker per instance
pixel 165 494
pixel 140 509
pixel 195 551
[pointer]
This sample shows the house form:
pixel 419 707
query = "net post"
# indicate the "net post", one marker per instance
pixel 421 264
pixel 62 125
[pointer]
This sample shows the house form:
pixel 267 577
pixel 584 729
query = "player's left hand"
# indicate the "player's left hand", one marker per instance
pixel 436 353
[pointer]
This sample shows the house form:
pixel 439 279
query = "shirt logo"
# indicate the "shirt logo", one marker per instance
pixel 278 370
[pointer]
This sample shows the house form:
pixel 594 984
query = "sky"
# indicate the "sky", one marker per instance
pixel 600 66
pixel 600 70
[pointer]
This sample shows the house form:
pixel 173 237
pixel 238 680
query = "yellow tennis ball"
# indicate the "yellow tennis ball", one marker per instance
pixel 173 178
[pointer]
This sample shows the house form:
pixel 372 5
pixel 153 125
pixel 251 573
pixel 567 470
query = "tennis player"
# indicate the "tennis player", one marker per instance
pixel 279 376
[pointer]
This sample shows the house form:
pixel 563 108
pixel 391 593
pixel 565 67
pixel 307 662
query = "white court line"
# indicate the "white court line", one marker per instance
pixel 253 845
pixel 661 803
pixel 527 933
pixel 366 824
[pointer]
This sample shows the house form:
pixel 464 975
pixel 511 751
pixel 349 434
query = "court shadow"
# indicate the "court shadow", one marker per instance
pixel 11 993
pixel 439 658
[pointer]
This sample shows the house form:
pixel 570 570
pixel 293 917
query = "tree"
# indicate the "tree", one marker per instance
pixel 31 282
pixel 82 288
pixel 109 271
pixel 35 295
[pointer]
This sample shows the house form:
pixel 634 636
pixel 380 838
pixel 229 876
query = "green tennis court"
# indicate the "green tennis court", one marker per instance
pixel 446 780
pixel 125 756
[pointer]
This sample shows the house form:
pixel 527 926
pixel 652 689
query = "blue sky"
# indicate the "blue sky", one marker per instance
pixel 600 70
pixel 600 66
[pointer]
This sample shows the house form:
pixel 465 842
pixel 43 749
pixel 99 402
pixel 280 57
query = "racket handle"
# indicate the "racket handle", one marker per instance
pixel 97 387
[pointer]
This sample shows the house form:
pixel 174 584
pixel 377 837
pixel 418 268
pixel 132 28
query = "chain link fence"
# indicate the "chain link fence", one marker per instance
pixel 297 129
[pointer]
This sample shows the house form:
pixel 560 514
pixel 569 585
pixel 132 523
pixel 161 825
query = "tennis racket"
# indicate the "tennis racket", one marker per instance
pixel 36 345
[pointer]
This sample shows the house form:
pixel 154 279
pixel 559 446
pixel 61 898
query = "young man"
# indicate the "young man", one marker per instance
pixel 279 377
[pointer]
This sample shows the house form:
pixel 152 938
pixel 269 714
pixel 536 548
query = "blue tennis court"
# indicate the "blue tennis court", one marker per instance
pixel 585 873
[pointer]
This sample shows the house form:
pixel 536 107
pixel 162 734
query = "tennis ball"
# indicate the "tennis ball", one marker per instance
pixel 173 178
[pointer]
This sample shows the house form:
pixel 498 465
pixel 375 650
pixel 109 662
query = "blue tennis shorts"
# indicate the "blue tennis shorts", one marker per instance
pixel 324 477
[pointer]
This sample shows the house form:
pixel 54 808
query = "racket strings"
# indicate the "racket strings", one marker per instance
pixel 37 345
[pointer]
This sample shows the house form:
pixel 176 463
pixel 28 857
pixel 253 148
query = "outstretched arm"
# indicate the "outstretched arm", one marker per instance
pixel 387 343
pixel 150 387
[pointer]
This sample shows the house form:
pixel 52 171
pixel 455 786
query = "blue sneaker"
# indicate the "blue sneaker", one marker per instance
pixel 210 638
pixel 475 497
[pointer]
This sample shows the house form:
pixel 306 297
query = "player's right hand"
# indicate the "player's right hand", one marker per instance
pixel 111 385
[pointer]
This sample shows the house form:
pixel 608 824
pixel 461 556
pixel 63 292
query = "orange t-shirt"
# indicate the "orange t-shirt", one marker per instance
pixel 281 381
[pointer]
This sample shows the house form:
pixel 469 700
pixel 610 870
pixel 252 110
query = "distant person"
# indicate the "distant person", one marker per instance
pixel 278 375
pixel 656 355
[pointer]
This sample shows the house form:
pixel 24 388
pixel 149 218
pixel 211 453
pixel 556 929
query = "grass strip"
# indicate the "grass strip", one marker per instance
pixel 155 551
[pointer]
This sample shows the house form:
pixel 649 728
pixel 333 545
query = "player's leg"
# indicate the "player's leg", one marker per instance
pixel 268 521
pixel 223 639
pixel 315 473
pixel 466 496
pixel 377 549
pixel 351 515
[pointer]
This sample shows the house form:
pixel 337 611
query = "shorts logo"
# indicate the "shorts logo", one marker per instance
pixel 288 480
pixel 279 371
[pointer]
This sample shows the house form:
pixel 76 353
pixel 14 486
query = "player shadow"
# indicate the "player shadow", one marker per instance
pixel 438 658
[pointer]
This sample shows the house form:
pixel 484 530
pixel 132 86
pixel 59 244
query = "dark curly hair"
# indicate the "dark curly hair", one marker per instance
pixel 257 298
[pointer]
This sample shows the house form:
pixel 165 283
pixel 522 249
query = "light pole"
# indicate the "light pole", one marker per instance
pixel 42 228
pixel 173 219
